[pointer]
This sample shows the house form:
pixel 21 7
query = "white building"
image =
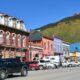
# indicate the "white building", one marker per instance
pixel 12 22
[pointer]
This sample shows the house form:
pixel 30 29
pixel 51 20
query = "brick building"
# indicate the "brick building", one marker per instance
pixel 13 37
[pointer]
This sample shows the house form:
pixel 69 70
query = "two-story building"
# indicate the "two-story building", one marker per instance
pixel 58 48
pixel 45 42
pixel 13 37
pixel 66 50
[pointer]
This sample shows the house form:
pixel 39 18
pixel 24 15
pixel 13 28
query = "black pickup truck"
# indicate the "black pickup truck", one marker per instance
pixel 12 65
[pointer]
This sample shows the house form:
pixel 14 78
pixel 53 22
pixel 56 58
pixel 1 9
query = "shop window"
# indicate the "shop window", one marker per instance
pixel 7 38
pixel 13 39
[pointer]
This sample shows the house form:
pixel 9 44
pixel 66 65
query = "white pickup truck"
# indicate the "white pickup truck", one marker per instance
pixel 53 59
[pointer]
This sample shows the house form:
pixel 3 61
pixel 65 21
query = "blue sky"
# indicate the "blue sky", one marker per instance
pixel 37 13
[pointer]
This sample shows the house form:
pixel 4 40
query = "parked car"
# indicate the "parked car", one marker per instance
pixel 78 63
pixel 73 64
pixel 65 64
pixel 10 66
pixel 42 64
pixel 33 65
pixel 50 65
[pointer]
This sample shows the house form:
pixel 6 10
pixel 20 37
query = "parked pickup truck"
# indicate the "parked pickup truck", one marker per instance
pixel 12 65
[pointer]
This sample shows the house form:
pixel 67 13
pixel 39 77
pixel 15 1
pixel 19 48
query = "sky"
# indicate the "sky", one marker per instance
pixel 37 13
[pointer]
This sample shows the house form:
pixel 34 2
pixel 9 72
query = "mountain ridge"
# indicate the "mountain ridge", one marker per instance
pixel 68 29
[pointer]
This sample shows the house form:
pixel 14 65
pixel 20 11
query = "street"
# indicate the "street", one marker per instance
pixel 52 74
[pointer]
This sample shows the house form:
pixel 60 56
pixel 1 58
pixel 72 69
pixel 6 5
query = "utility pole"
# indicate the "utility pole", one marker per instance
pixel 30 45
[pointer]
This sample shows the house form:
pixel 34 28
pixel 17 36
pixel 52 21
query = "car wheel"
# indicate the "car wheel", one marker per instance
pixel 23 72
pixel 56 66
pixel 70 65
pixel 32 68
pixel 49 67
pixel 2 75
pixel 41 67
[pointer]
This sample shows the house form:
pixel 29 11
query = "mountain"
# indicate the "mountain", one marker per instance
pixel 67 29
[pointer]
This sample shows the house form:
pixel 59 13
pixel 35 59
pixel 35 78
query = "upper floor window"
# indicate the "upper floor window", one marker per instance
pixel 21 25
pixel 7 38
pixel 13 39
pixel 6 20
pixel 1 19
pixel 44 45
pixel 19 40
pixel 18 24
pixel 1 36
pixel 48 44
pixel 14 22
pixel 10 22
pixel 51 47
pixel 24 41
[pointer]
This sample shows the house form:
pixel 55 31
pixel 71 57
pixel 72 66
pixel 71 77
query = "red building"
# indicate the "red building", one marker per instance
pixel 13 38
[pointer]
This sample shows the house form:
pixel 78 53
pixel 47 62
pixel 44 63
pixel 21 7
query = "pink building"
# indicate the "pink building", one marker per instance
pixel 35 52
pixel 46 43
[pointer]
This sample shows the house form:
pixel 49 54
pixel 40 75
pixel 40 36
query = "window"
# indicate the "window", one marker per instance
pixel 7 38
pixel 21 25
pixel 6 20
pixel 13 39
pixel 14 23
pixel 1 36
pixel 19 40
pixel 48 44
pixel 51 47
pixel 44 45
pixel 52 59
pixel 1 19
pixel 18 24
pixel 24 41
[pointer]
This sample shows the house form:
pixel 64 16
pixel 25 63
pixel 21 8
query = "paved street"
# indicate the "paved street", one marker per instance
pixel 55 74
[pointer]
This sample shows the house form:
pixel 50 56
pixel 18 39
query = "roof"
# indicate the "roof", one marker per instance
pixel 36 36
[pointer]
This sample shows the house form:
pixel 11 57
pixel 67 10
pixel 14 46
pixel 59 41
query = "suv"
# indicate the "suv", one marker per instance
pixel 10 66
